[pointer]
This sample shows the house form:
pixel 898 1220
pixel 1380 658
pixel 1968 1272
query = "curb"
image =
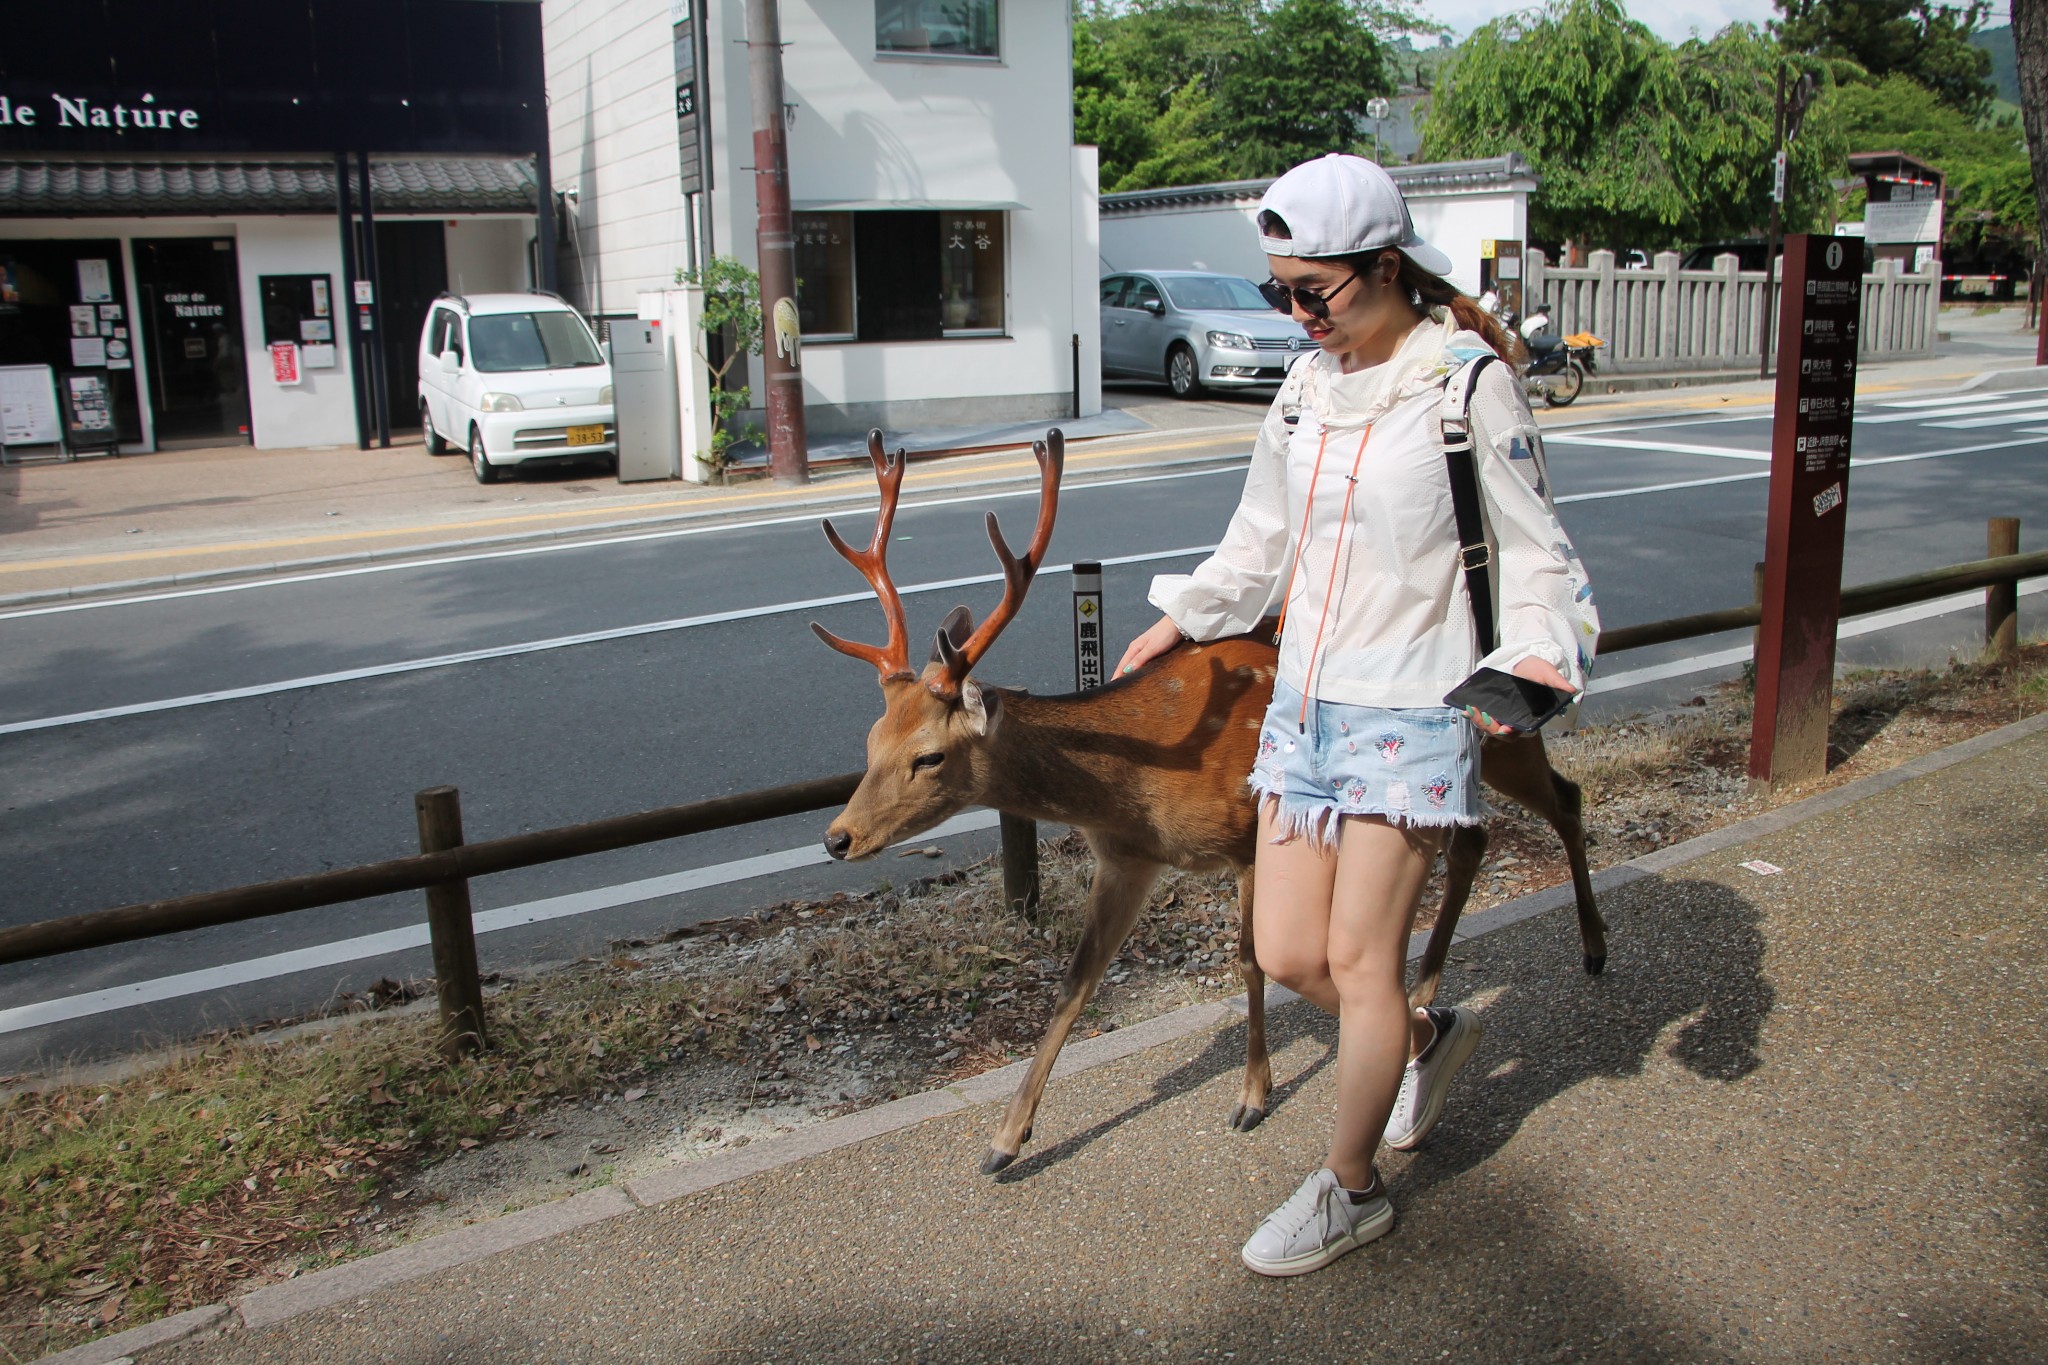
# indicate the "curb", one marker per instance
pixel 290 1299
pixel 426 553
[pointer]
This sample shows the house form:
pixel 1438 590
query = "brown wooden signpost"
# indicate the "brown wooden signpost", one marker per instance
pixel 1802 598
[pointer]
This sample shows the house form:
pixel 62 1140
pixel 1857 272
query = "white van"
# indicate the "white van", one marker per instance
pixel 514 379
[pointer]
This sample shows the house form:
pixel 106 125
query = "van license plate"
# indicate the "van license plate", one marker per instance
pixel 586 436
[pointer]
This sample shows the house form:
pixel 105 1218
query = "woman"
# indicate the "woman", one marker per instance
pixel 1346 526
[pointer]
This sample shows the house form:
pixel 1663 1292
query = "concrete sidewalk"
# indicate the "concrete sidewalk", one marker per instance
pixel 194 516
pixel 1803 1117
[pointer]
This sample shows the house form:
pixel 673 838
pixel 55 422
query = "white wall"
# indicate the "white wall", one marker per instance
pixel 320 409
pixel 612 126
pixel 1223 236
pixel 488 255
pixel 871 128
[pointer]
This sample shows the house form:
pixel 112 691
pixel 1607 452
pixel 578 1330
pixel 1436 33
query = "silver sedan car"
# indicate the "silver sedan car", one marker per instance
pixel 1197 331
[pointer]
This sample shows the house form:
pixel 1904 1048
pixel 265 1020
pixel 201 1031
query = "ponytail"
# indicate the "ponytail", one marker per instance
pixel 1436 292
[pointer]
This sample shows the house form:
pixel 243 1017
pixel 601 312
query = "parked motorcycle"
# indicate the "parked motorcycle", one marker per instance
pixel 1558 366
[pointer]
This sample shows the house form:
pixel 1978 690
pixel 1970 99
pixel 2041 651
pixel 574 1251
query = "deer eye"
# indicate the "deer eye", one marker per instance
pixel 923 761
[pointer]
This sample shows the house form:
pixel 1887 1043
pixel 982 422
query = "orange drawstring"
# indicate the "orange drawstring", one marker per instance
pixel 1336 557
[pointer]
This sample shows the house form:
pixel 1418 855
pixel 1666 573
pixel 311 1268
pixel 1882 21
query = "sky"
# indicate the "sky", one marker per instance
pixel 1672 20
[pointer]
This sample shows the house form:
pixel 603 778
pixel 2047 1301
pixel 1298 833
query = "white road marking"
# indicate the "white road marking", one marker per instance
pixel 1661 447
pixel 782 608
pixel 227 975
pixel 230 974
pixel 2034 414
pixel 817 513
pixel 1946 399
pixel 1931 416
pixel 533 647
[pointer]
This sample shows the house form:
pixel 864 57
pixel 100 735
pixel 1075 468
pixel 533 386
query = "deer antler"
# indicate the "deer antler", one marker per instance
pixel 891 659
pixel 1051 454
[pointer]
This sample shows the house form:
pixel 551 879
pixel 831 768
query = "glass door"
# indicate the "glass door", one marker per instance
pixel 192 324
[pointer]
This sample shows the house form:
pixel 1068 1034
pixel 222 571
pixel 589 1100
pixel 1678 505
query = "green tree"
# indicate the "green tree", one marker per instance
pixel 1300 88
pixel 1638 143
pixel 1180 91
pixel 1926 40
pixel 732 313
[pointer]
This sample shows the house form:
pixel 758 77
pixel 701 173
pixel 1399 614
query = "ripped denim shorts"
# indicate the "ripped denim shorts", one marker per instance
pixel 1414 767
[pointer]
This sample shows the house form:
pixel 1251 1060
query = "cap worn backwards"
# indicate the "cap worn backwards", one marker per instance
pixel 1339 205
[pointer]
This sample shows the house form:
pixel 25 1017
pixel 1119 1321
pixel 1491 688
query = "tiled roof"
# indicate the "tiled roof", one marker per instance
pixel 45 187
pixel 1494 172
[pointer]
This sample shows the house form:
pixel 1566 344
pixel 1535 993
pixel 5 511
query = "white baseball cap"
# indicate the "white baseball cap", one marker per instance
pixel 1340 205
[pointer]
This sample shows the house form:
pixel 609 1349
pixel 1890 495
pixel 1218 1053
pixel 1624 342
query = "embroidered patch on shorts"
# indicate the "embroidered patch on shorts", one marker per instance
pixel 1438 789
pixel 1267 744
pixel 1391 744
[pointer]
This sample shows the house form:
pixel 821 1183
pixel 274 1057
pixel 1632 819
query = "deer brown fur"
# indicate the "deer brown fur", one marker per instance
pixel 1151 769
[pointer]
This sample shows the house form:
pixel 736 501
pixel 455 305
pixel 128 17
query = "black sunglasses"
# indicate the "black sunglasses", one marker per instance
pixel 1283 297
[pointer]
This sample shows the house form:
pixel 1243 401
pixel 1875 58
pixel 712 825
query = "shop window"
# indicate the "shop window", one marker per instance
pixel 824 275
pixel 901 275
pixel 937 28
pixel 971 274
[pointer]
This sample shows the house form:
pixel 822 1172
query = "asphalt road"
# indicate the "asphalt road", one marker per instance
pixel 559 684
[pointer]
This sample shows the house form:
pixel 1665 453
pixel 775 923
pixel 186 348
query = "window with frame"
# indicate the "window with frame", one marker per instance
pixel 937 28
pixel 824 275
pixel 902 274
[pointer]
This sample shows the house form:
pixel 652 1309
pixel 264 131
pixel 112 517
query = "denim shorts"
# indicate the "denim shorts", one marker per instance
pixel 1413 767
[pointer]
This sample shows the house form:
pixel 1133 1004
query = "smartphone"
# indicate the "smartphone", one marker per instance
pixel 1505 699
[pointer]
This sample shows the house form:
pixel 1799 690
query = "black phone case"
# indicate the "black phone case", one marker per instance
pixel 1511 701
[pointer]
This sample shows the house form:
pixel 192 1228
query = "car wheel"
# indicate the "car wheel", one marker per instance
pixel 1565 385
pixel 1183 376
pixel 435 444
pixel 479 463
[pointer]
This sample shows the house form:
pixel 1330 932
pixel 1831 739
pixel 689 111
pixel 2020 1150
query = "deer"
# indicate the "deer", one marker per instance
pixel 1150 768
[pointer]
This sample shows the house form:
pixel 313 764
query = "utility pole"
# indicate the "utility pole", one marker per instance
pixel 1790 111
pixel 781 355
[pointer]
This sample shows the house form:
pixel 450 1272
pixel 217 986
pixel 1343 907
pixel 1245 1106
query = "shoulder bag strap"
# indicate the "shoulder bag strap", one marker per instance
pixel 1473 551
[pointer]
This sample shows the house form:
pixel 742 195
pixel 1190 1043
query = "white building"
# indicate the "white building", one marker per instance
pixel 945 220
pixel 1456 205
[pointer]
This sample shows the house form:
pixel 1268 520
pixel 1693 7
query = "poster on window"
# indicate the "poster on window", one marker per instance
pixel 284 361
pixel 87 351
pixel 95 282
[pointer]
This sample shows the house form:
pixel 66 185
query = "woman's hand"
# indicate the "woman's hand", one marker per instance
pixel 1535 670
pixel 1149 646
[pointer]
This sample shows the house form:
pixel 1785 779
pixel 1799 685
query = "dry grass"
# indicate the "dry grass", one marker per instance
pixel 259 1157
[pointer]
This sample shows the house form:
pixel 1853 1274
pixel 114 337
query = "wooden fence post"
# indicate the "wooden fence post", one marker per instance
pixel 2002 600
pixel 1020 865
pixel 454 934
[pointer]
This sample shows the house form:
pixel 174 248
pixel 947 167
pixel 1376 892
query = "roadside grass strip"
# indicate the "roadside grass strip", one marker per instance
pixel 252 1157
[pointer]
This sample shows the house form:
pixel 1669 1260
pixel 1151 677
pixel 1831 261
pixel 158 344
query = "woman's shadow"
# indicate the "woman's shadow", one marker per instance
pixel 1682 952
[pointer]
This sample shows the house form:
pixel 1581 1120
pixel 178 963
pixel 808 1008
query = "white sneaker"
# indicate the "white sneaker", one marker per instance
pixel 1318 1223
pixel 1426 1079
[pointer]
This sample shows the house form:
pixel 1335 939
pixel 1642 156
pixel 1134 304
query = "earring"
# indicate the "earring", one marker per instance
pixel 1415 298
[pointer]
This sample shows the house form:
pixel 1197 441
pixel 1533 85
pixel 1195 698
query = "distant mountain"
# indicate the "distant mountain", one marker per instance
pixel 2004 70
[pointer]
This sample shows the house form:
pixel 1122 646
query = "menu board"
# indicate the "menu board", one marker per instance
pixel 298 311
pixel 88 410
pixel 1822 304
pixel 28 406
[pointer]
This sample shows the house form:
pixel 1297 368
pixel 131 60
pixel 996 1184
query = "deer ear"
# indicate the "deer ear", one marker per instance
pixel 954 630
pixel 982 709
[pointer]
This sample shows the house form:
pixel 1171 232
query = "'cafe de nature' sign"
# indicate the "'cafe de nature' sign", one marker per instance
pixel 83 112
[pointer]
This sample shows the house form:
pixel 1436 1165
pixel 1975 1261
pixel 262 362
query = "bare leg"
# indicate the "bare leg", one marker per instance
pixel 1380 870
pixel 1293 884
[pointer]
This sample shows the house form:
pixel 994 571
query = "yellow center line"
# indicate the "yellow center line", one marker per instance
pixel 713 503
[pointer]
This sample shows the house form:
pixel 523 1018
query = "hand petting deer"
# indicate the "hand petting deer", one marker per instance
pixel 1150 768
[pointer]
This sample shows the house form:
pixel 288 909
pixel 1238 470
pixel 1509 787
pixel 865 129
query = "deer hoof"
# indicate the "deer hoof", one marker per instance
pixel 1246 1117
pixel 996 1161
pixel 1595 965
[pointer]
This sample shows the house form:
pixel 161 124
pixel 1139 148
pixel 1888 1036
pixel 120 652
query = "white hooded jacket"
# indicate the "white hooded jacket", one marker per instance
pixel 1377 612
